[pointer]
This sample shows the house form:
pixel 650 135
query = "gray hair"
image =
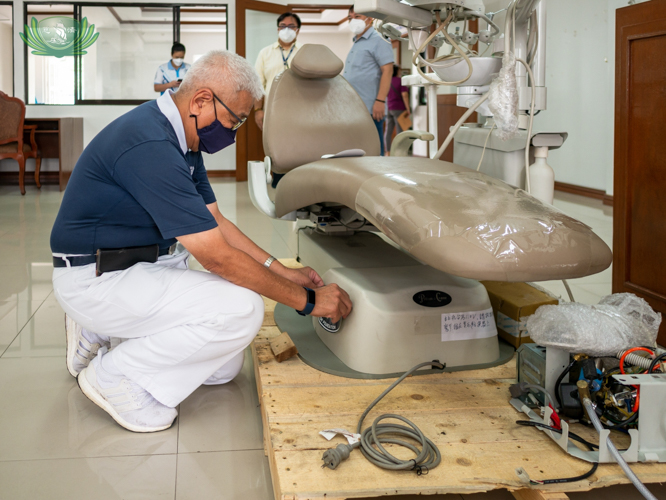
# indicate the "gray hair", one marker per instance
pixel 225 70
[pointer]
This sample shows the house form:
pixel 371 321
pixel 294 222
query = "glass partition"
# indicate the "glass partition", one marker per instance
pixel 51 79
pixel 133 41
pixel 6 49
pixel 202 28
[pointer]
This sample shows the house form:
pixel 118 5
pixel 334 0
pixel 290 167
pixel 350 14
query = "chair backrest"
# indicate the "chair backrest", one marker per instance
pixel 313 111
pixel 12 111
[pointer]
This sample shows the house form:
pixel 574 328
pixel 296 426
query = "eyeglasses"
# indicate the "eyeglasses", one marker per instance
pixel 240 120
pixel 290 26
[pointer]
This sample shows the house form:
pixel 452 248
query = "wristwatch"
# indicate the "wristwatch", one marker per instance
pixel 269 261
pixel 309 306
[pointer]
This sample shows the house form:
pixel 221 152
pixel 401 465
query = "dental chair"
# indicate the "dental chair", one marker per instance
pixel 407 238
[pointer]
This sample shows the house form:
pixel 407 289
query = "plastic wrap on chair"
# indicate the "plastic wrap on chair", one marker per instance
pixel 452 218
pixel 478 226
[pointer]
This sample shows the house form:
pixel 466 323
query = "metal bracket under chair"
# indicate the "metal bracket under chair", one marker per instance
pixel 403 141
pixel 258 178
pixel 648 443
pixel 602 455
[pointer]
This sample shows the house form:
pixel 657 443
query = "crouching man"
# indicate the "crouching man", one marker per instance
pixel 139 187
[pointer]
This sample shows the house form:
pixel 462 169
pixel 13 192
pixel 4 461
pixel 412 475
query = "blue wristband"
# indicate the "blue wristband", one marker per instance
pixel 310 304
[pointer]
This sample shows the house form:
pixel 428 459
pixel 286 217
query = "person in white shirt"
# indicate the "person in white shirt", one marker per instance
pixel 275 58
pixel 171 73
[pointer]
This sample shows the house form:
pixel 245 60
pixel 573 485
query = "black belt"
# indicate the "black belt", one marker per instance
pixel 84 260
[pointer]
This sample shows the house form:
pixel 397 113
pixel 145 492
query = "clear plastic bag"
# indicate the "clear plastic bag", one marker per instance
pixel 617 322
pixel 503 99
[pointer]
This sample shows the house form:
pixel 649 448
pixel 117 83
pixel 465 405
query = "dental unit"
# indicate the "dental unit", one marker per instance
pixel 409 238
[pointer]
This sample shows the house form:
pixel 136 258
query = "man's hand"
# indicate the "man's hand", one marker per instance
pixel 378 111
pixel 259 118
pixel 304 276
pixel 331 301
pixel 174 83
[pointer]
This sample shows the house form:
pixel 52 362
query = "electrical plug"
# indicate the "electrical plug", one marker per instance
pixel 333 457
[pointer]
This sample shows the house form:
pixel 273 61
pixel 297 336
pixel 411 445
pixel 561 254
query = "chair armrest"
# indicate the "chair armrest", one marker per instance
pixel 33 142
pixel 403 141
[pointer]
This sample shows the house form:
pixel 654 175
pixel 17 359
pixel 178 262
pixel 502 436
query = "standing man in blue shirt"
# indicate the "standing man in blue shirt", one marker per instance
pixel 171 73
pixel 139 187
pixel 369 67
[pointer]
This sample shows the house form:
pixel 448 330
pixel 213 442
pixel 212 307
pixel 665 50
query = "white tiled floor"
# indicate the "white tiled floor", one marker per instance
pixel 55 444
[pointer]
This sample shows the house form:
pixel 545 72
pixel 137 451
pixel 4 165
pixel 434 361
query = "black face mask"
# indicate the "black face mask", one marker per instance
pixel 215 137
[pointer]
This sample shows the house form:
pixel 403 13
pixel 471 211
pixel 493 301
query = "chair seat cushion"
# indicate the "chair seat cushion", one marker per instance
pixel 12 147
pixel 452 218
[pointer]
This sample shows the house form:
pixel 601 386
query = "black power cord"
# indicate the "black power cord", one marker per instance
pixel 619 425
pixel 656 362
pixel 559 381
pixel 575 437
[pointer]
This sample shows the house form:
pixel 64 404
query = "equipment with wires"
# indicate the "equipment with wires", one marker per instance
pixel 338 220
pixel 625 393
pixel 504 80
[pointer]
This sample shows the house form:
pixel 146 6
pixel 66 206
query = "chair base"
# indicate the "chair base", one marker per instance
pixel 314 352
pixel 404 312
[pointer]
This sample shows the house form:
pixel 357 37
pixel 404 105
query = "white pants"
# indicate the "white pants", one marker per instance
pixel 182 326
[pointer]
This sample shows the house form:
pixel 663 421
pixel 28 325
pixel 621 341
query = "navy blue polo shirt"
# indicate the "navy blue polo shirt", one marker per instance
pixel 134 186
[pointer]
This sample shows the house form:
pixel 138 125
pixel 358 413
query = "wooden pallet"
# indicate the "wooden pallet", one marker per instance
pixel 466 414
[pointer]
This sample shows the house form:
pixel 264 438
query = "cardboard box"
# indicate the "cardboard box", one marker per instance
pixel 512 301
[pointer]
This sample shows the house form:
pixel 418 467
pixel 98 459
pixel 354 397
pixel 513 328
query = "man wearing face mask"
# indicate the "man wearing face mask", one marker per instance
pixel 369 67
pixel 276 58
pixel 170 74
pixel 139 187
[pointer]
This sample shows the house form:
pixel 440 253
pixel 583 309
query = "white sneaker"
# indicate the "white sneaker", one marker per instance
pixel 80 351
pixel 128 404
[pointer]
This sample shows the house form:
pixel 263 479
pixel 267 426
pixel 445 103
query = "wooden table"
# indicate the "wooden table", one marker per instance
pixel 60 138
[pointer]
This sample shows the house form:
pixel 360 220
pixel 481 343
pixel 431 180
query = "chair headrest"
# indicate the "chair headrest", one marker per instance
pixel 316 61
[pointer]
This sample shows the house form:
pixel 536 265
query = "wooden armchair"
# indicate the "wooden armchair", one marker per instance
pixel 12 145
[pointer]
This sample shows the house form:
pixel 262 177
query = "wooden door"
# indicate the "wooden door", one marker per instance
pixel 448 114
pixel 639 210
pixel 249 141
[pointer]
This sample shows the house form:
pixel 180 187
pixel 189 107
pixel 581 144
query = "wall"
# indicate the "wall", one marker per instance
pixel 199 42
pixel 580 63
pixel 340 42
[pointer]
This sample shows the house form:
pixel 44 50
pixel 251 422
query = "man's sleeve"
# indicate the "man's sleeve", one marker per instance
pixel 158 76
pixel 384 53
pixel 158 177
pixel 259 66
pixel 200 177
